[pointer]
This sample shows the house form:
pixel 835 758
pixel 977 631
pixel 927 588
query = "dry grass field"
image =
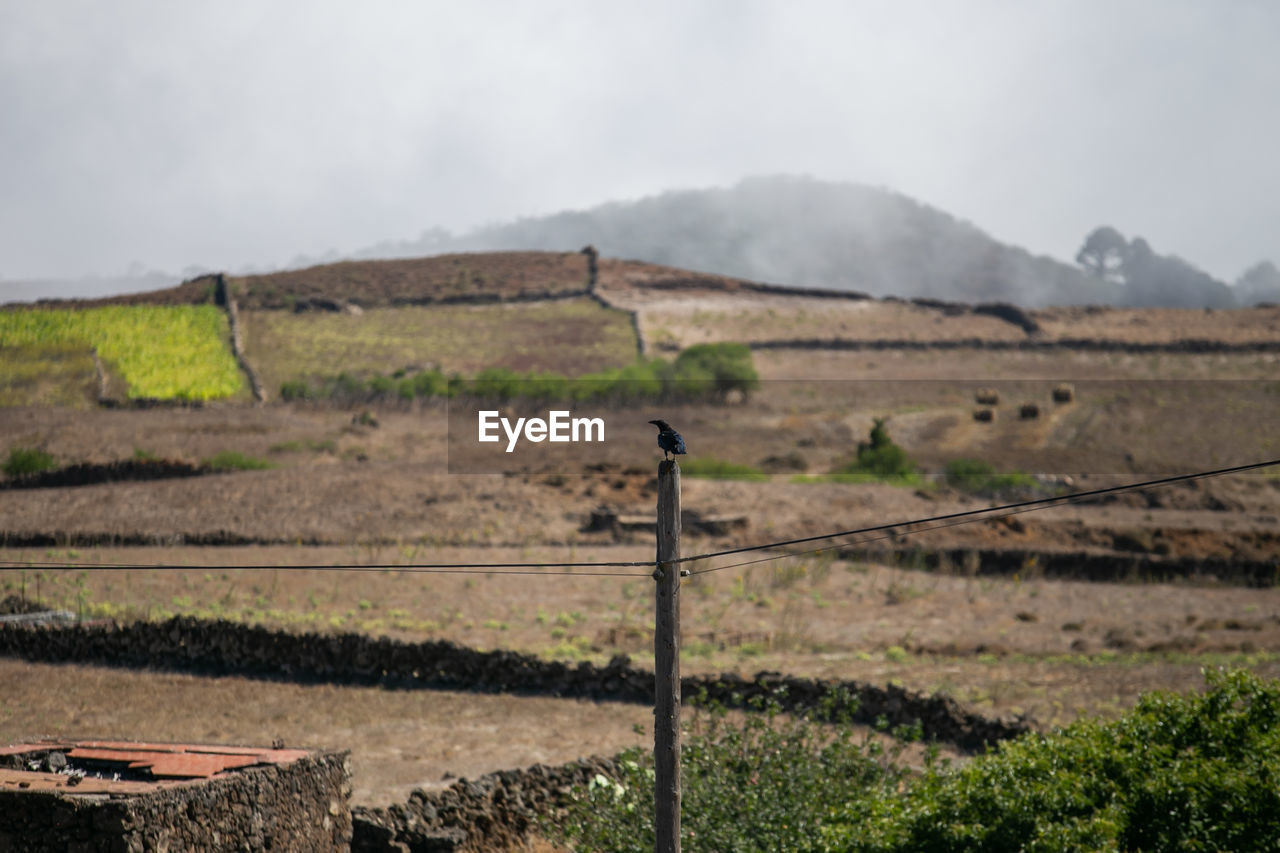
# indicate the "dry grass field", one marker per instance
pixel 544 336
pixel 377 494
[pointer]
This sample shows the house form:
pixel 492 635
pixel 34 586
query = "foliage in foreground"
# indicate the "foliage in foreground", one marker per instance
pixel 1178 773
pixel 162 351
pixel 700 371
pixel 768 784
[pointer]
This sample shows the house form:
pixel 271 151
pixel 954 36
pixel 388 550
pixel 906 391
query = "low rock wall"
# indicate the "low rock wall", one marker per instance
pixel 219 647
pixel 301 806
pixel 483 814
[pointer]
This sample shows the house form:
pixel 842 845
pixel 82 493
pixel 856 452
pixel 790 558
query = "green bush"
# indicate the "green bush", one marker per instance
pixel 28 460
pixel 497 383
pixel 296 389
pixel 234 460
pixel 1194 772
pixel 878 459
pixel 381 385
pixel 723 367
pixel 766 785
pixel 1178 773
pixel 718 469
pixel 430 383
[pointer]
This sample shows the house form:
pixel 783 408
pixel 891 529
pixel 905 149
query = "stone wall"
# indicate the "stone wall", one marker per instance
pixel 482 814
pixel 301 806
pixel 219 647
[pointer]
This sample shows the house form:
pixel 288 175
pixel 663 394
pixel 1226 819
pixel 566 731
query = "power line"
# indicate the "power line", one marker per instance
pixel 419 568
pixel 971 514
pixel 580 568
pixel 891 534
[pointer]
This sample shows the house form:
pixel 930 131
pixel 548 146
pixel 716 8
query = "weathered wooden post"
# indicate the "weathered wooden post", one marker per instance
pixel 666 663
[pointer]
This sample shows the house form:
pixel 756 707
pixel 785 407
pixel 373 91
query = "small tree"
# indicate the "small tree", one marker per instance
pixel 880 457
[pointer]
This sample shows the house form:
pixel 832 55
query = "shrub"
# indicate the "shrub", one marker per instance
pixel 878 459
pixel 723 367
pixel 765 785
pixel 296 389
pixel 496 383
pixel 430 383
pixel 1192 772
pixel 28 460
pixel 380 384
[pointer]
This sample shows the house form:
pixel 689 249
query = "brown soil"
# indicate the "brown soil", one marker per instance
pixel 400 740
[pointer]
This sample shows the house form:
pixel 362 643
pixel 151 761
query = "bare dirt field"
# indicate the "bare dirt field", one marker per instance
pixel 400 740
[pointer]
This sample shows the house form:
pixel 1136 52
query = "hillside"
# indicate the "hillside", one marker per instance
pixel 800 232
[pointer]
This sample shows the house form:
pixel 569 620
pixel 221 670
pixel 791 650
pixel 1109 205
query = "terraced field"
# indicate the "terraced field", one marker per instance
pixel 560 336
pixel 373 490
pixel 162 352
pixel 48 375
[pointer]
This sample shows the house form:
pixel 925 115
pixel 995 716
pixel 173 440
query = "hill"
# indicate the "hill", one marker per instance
pixel 800 232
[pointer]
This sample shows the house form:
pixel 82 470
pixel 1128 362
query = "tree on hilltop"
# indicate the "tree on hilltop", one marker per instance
pixel 1147 278
pixel 1103 254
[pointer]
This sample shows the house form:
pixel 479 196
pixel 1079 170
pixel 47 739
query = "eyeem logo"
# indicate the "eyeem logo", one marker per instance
pixel 560 426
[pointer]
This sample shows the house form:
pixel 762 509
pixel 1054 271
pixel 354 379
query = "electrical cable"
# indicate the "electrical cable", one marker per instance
pixel 1037 503
pixel 568 568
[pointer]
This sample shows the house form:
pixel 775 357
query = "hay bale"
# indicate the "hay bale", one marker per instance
pixel 984 415
pixel 1064 392
pixel 1029 411
pixel 987 397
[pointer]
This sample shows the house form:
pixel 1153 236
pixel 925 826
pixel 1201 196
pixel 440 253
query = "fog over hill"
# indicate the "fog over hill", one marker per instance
pixel 805 232
pixel 811 233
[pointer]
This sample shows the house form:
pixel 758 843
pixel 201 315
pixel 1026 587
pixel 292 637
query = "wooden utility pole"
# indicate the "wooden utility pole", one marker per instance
pixel 666 663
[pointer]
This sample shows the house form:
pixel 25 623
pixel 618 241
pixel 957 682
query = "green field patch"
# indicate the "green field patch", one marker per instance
pixel 47 375
pixel 719 469
pixel 165 352
pixel 564 336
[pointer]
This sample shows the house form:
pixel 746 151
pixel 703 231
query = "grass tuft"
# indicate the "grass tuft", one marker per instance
pixel 28 460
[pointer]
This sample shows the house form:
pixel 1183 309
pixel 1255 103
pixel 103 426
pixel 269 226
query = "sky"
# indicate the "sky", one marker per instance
pixel 185 136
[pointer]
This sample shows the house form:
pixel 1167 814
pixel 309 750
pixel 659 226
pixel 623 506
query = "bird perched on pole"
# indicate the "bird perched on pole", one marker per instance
pixel 668 439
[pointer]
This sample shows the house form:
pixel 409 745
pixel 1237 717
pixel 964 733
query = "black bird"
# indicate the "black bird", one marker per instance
pixel 668 439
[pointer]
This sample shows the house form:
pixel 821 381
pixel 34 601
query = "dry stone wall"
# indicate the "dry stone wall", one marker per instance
pixel 301 806
pixel 483 814
pixel 219 647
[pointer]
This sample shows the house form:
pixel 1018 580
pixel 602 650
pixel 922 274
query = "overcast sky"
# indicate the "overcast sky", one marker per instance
pixel 175 134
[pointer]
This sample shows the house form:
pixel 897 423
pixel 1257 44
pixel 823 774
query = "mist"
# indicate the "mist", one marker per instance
pixel 804 232
pixel 248 136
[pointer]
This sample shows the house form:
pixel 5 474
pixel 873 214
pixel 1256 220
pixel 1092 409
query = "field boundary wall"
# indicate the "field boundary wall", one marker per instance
pixel 226 648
